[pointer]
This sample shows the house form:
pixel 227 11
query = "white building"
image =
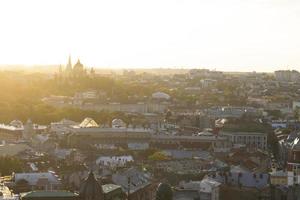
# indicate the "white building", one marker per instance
pixel 114 161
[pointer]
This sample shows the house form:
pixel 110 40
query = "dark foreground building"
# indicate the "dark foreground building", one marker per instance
pixel 90 189
pixel 49 195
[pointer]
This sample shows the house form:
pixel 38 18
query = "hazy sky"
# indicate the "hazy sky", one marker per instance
pixel 234 35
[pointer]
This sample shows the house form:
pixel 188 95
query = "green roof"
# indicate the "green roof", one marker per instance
pixel 35 194
pixel 107 188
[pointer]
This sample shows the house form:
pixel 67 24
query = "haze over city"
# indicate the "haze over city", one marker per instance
pixel 227 35
pixel 149 100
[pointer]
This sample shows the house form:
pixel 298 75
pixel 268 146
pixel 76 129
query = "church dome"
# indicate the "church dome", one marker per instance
pixel 78 66
pixel 118 123
pixel 91 189
pixel 88 123
pixel 164 192
pixel 161 95
pixel 16 123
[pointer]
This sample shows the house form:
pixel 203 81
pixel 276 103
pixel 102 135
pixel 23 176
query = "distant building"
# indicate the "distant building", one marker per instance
pixel 287 75
pixel 205 73
pixel 252 139
pixel 88 123
pixel 16 130
pixel 75 71
pixel 231 112
pixel 95 135
pixel 139 107
pixel 135 182
pixel 114 161
pixel 207 82
pixel 63 126
pixel 118 123
pixel 28 130
pixel 160 96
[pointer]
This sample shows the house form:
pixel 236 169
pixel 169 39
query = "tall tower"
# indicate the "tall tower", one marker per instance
pixel 69 65
pixel 28 130
pixel 78 69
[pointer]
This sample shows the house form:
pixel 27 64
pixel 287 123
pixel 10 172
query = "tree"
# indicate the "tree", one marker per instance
pixel 296 113
pixel 164 192
pixel 8 165
pixel 22 185
pixel 157 156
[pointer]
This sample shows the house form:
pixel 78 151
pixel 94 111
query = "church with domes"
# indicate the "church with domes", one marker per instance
pixel 73 71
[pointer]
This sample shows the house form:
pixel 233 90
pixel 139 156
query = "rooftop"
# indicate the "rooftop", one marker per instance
pixel 110 187
pixel 48 194
pixel 242 133
pixel 13 149
pixel 279 173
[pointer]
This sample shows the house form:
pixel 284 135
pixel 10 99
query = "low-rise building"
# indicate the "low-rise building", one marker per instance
pixel 240 177
pixel 208 189
pixel 91 189
pixel 136 183
pixel 114 161
pixel 278 178
pixel 47 181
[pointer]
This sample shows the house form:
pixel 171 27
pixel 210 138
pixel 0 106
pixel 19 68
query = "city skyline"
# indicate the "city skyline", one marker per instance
pixel 223 35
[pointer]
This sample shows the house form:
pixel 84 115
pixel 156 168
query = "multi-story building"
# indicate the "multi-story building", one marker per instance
pixel 251 139
pixel 15 130
pixel 138 185
pixel 293 163
pixel 287 75
pixel 231 112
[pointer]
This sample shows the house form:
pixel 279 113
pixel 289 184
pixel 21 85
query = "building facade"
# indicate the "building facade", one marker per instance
pixel 252 139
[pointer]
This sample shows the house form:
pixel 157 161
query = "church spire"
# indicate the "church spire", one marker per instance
pixel 91 189
pixel 69 65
